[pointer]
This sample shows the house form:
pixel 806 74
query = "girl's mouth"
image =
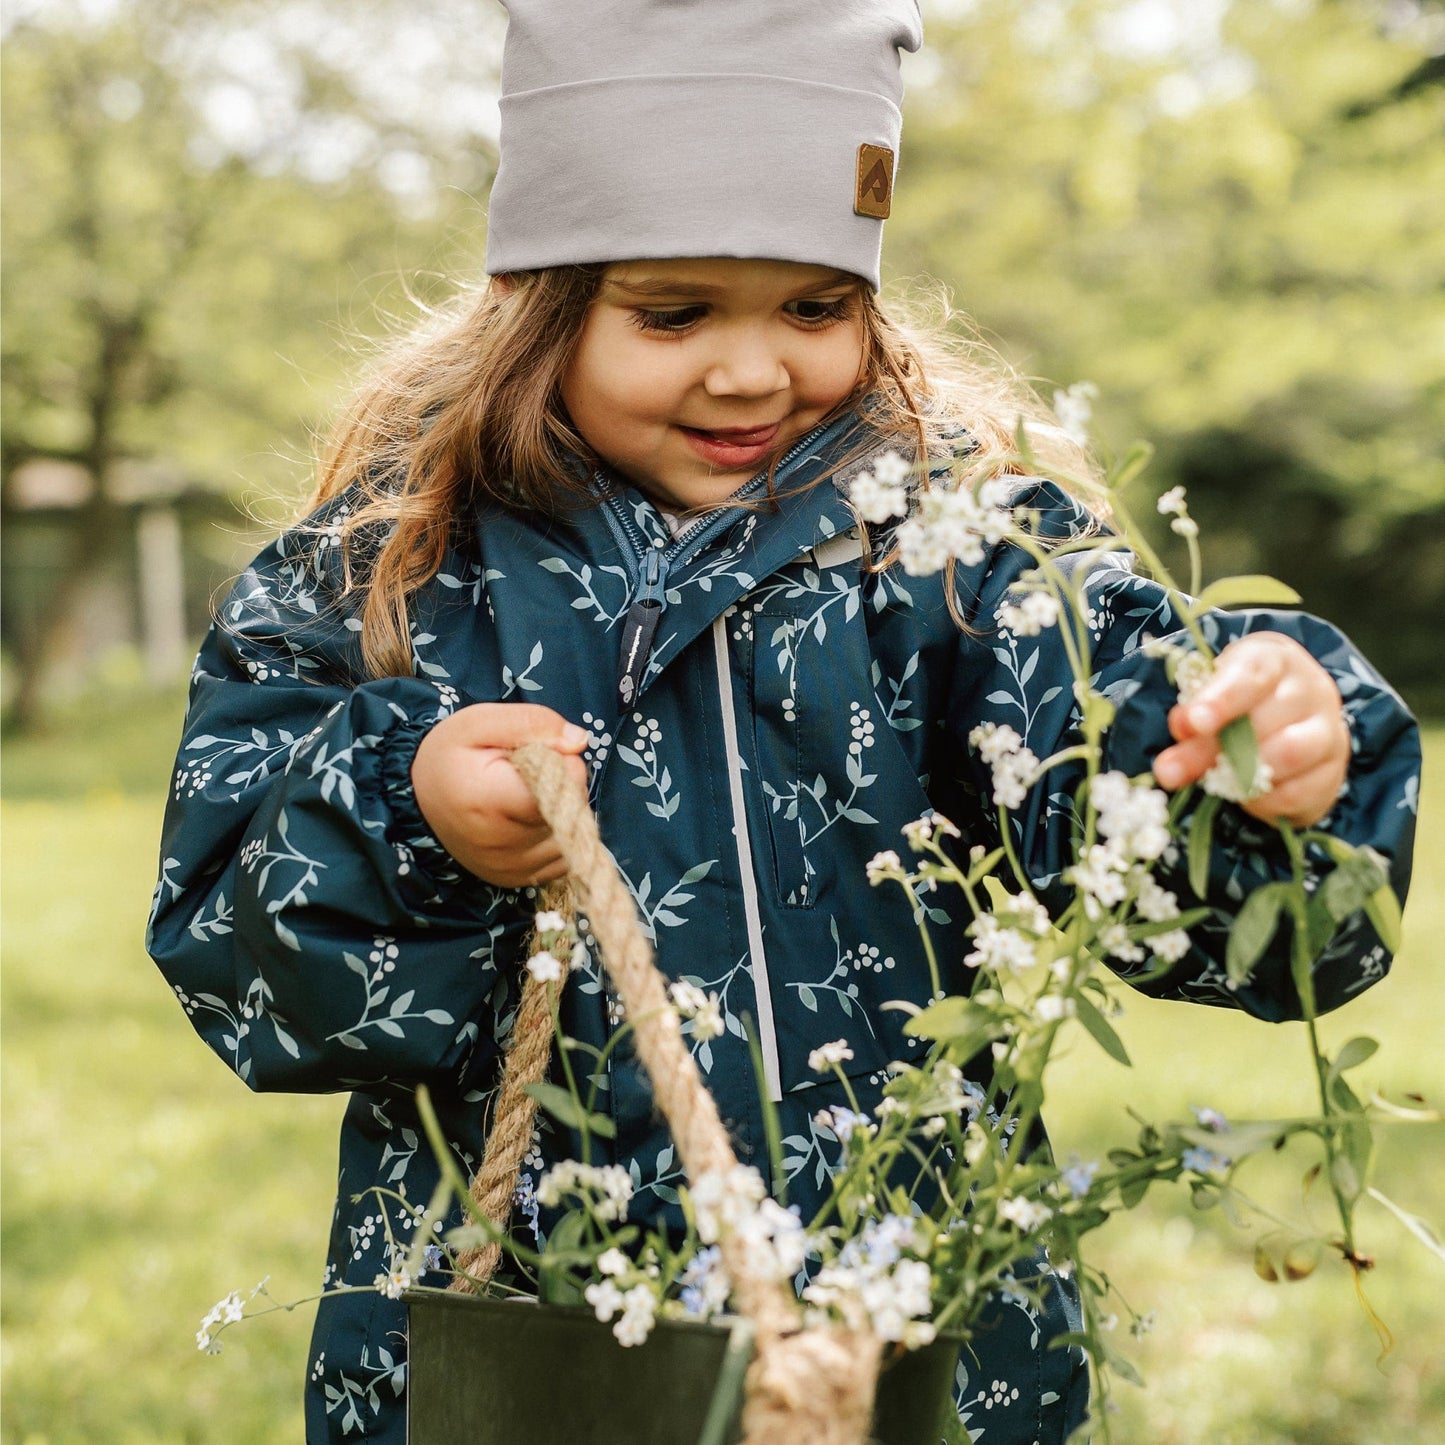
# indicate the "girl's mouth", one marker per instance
pixel 732 448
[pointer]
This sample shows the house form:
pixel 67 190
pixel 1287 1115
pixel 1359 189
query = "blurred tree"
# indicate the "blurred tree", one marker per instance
pixel 1232 218
pixel 195 194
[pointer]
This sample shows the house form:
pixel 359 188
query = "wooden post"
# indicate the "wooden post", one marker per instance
pixel 161 568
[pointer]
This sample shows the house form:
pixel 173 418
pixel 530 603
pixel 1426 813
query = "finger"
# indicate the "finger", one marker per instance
pixel 1245 674
pixel 505 791
pixel 1185 762
pixel 512 724
pixel 519 866
pixel 1300 748
pixel 1302 801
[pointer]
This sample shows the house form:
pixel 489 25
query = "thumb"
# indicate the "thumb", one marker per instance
pixel 511 724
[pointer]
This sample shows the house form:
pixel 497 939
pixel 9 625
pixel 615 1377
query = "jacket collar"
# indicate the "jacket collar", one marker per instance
pixel 713 565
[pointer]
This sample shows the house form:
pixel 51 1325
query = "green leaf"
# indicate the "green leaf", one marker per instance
pixel 1382 908
pixel 1360 1149
pixel 1252 590
pixel 950 1019
pixel 1253 930
pixel 1264 1265
pixel 1321 925
pixel 1098 711
pixel 1201 837
pixel 1417 1226
pixel 1345 1178
pixel 1140 932
pixel 1102 1031
pixel 1353 881
pixel 1134 461
pixel 567 1109
pixel 1352 1055
pixel 1238 741
pixel 1301 1259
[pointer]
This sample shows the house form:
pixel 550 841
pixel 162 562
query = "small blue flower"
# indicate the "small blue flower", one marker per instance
pixel 1210 1119
pixel 1079 1176
pixel 1204 1161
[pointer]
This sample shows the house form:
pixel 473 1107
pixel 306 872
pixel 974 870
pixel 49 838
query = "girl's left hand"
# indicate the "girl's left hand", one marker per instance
pixel 1298 722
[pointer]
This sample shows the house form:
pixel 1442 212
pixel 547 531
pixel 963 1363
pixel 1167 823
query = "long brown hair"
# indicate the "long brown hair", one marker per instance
pixel 468 408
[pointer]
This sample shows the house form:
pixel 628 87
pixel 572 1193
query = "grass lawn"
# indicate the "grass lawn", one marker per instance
pixel 142 1181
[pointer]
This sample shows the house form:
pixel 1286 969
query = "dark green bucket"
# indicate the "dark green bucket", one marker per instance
pixel 503 1372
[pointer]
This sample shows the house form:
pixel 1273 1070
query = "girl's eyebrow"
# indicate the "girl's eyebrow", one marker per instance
pixel 662 288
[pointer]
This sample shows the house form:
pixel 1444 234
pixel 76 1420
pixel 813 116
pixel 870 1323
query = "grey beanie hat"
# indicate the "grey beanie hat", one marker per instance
pixel 643 129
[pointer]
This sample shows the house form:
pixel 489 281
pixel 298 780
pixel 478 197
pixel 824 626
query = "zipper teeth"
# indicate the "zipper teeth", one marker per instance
pixel 616 507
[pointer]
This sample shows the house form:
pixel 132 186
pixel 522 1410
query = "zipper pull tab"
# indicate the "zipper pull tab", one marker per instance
pixel 640 625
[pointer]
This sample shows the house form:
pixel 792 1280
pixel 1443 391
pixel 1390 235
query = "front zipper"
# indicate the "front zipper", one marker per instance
pixel 650 564
pixel 640 625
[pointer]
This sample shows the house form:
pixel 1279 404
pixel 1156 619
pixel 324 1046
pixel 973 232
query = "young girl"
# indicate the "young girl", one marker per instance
pixel 603 504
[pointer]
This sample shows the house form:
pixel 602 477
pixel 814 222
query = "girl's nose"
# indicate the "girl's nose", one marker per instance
pixel 748 367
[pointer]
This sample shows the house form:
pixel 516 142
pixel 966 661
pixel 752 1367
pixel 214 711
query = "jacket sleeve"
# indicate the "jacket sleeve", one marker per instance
pixel 315 933
pixel 1026 682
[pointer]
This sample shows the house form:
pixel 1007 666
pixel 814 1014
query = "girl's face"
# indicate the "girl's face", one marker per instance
pixel 692 375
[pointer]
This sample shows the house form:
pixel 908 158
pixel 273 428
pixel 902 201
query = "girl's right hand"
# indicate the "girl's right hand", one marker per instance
pixel 475 801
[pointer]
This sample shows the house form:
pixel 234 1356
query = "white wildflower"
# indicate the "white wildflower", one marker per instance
pixel 605 1299
pixel 884 865
pixel 1171 946
pixel 721 1200
pixel 875 499
pixel 1051 1008
pixel 1172 503
pixel 1134 819
pixel 1015 767
pixel 605 1189
pixel 704 1009
pixel 1102 874
pixel 827 1056
pixel 953 524
pixel 545 967
pixel 773 1240
pixel 1025 1214
pixel 1154 902
pixel 613 1261
pixel 1075 409
pixel 1005 950
pixel 639 1311
pixel 1037 611
pixel 1115 941
pixel 1191 672
pixel 550 921
pixel 921 831
pixel 394 1281
pixel 892 469
pixel 843 1122
pixel 1223 782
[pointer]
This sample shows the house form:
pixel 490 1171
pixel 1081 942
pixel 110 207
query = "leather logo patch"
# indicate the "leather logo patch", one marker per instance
pixel 874 193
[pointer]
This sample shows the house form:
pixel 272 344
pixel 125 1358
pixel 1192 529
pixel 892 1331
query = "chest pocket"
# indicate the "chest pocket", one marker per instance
pixel 812 710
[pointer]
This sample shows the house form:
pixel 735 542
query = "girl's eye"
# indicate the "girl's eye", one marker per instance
pixel 819 311
pixel 673 321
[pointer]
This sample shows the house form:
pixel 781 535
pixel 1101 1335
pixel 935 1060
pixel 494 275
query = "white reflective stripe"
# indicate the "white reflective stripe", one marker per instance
pixel 838 551
pixel 762 988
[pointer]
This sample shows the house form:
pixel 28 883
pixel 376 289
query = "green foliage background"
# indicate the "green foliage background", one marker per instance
pixel 1229 215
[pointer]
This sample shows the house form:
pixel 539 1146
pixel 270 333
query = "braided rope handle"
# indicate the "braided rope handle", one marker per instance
pixel 805 1387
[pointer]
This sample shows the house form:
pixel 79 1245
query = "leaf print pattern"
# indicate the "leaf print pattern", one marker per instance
pixel 318 937
pixel 652 774
pixel 839 986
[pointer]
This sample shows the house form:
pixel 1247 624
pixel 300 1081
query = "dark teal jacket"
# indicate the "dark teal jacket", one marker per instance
pixel 788 712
